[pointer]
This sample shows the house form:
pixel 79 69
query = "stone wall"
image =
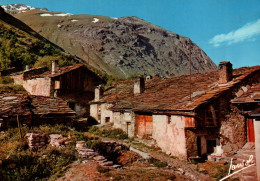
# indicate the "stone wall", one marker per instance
pixel 191 143
pixel 37 141
pixel 233 131
pixel 125 121
pixel 94 111
pixel 38 86
pixel 106 114
pixel 169 134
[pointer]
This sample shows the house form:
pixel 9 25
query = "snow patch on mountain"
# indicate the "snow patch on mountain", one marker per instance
pixel 95 20
pixel 61 14
pixel 17 7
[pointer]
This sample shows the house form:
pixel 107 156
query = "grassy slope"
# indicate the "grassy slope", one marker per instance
pixel 20 45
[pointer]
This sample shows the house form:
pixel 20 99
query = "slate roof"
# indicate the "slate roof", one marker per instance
pixel 173 93
pixel 12 104
pixel 61 71
pixel 50 106
pixel 252 94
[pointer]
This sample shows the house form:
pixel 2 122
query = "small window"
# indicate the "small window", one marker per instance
pixel 107 119
pixel 57 84
pixel 72 105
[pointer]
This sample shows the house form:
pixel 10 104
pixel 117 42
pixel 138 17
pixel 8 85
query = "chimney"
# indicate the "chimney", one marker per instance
pixel 139 85
pixel 27 68
pixel 225 72
pixel 148 78
pixel 54 67
pixel 99 90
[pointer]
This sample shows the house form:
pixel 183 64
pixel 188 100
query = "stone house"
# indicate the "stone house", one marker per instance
pixel 188 116
pixel 32 110
pixel 75 84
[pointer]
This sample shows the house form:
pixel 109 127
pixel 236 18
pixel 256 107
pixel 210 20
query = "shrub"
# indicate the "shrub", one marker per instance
pixel 22 164
pixel 157 163
pixel 6 80
pixel 110 133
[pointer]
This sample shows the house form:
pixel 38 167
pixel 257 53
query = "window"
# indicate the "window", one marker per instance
pixel 72 105
pixel 107 119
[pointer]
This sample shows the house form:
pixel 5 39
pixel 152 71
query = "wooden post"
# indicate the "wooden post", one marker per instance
pixel 19 126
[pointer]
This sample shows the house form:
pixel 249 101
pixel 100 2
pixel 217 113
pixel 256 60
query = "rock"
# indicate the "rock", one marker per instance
pixel 139 50
pixel 116 166
pixel 99 158
pixel 108 163
pixel 181 171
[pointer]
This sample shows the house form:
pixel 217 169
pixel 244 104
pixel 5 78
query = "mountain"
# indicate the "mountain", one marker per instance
pixel 123 47
pixel 21 46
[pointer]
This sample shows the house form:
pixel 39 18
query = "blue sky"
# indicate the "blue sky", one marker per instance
pixel 224 29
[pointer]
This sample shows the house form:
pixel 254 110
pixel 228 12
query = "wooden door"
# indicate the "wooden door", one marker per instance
pixel 144 125
pixel 250 130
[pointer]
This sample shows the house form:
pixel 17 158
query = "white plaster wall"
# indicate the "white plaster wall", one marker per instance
pixel 170 137
pixel 117 117
pixel 105 112
pixel 122 120
pixel 94 111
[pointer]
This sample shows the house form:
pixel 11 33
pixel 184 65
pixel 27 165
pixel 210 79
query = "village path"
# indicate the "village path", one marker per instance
pixel 179 166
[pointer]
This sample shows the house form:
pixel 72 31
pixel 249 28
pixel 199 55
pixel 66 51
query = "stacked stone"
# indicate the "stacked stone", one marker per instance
pixel 57 140
pixel 37 141
pixel 83 151
pixel 87 153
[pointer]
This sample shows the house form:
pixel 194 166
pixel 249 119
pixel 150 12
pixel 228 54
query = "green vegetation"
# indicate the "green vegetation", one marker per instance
pixel 18 49
pixel 7 84
pixel 109 133
pixel 19 163
pixel 157 163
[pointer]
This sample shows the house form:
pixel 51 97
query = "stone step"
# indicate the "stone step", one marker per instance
pixel 102 161
pixel 116 166
pixel 99 158
pixel 108 163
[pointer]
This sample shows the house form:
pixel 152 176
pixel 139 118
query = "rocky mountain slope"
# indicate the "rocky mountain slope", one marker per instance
pixel 122 47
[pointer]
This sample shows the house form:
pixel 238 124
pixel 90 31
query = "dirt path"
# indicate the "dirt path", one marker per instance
pixel 179 166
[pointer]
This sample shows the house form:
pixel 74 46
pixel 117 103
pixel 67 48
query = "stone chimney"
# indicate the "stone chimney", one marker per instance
pixel 225 72
pixel 99 90
pixel 27 68
pixel 139 85
pixel 54 67
pixel 148 78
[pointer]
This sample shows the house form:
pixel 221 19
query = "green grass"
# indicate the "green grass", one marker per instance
pixel 19 163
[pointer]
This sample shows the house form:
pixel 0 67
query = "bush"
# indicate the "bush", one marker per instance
pixel 110 133
pixel 157 163
pixel 6 80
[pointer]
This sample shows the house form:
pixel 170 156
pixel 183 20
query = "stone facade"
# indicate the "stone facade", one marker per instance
pixel 37 86
pixel 125 121
pixel 75 84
